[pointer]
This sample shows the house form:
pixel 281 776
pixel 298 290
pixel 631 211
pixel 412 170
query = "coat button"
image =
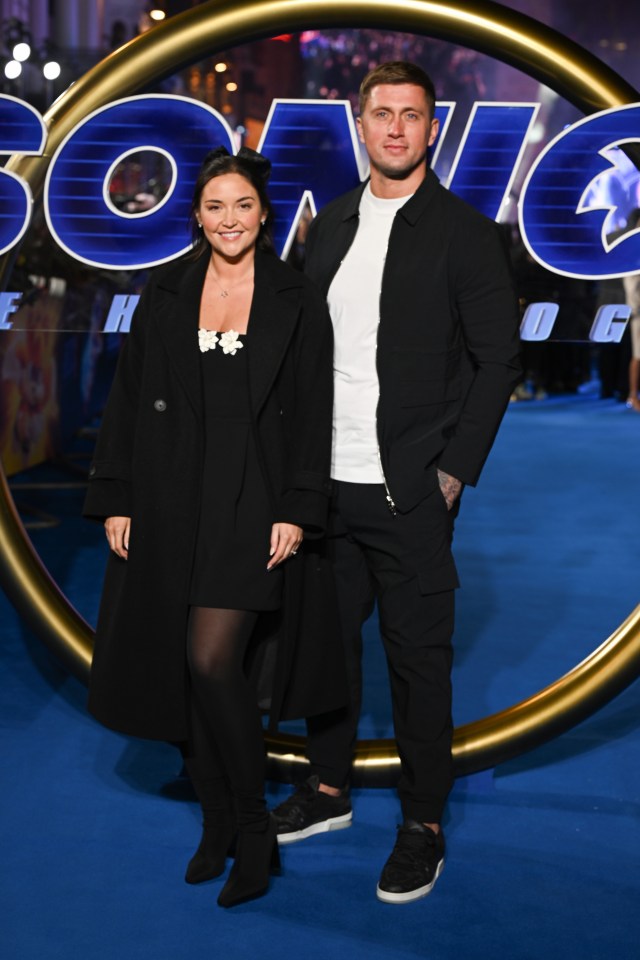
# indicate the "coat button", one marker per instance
pixel 160 405
pixel 92 471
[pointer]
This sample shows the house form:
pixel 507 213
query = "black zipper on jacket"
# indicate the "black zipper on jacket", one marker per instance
pixel 390 501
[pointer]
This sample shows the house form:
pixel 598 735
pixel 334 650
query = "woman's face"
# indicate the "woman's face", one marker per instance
pixel 231 215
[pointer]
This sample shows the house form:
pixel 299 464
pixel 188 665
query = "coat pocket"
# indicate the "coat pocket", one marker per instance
pixel 438 579
pixel 110 470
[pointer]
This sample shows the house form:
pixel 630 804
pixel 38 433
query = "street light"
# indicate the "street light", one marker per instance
pixel 21 52
pixel 12 70
pixel 51 70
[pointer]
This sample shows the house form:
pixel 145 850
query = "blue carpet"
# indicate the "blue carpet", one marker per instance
pixel 543 851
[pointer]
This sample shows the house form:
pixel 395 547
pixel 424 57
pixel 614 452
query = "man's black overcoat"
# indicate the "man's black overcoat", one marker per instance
pixel 148 465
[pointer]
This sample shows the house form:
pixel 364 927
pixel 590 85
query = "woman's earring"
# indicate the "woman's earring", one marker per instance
pixel 199 225
pixel 262 223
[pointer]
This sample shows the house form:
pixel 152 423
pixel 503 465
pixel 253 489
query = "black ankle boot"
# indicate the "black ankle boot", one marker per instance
pixel 256 857
pixel 218 826
pixel 216 844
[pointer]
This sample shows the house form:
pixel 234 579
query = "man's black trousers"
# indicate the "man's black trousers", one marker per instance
pixel 404 563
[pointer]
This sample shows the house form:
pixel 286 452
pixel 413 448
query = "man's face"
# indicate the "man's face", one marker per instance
pixel 396 128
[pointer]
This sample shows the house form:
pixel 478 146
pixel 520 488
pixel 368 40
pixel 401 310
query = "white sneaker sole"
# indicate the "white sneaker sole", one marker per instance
pixel 410 895
pixel 324 826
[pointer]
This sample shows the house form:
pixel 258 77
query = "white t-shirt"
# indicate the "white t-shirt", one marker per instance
pixel 354 304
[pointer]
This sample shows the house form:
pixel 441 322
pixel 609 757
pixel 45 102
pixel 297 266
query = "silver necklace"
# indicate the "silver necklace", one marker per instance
pixel 225 293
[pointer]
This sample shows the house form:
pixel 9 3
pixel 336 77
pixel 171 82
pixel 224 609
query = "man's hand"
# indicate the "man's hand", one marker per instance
pixel 449 487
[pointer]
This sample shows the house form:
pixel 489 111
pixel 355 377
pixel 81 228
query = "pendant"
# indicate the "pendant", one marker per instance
pixel 225 293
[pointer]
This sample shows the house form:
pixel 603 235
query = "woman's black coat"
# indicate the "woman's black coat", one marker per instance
pixel 148 466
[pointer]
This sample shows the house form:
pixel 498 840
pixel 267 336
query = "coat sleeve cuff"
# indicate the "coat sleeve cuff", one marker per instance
pixel 107 498
pixel 306 508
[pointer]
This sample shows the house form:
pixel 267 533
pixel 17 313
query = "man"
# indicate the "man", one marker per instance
pixel 426 357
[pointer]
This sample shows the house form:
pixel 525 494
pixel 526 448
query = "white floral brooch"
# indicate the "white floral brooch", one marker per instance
pixel 230 343
pixel 207 339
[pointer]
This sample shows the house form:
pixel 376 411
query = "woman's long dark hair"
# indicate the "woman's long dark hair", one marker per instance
pixel 248 164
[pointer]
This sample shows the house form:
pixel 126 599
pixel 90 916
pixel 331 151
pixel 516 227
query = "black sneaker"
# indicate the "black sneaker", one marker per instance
pixel 307 811
pixel 416 862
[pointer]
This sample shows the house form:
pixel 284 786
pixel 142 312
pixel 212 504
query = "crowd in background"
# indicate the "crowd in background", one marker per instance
pixel 334 64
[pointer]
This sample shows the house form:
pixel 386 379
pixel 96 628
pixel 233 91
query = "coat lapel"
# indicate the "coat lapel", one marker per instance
pixel 177 319
pixel 275 308
pixel 274 314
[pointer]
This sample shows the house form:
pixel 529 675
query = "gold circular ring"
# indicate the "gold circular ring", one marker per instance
pixel 218 25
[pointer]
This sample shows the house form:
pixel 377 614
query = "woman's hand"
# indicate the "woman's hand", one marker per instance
pixel 285 540
pixel 117 531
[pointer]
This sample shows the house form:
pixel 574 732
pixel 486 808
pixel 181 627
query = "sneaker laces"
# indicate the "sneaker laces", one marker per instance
pixel 304 793
pixel 409 849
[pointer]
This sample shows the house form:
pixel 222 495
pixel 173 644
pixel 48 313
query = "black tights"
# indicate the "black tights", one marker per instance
pixel 226 730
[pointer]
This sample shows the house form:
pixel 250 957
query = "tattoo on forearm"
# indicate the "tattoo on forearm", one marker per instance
pixel 450 487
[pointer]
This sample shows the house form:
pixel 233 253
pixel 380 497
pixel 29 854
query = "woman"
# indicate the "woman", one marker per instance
pixel 211 466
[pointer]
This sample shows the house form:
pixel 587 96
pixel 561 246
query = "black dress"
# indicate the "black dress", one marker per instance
pixel 232 548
